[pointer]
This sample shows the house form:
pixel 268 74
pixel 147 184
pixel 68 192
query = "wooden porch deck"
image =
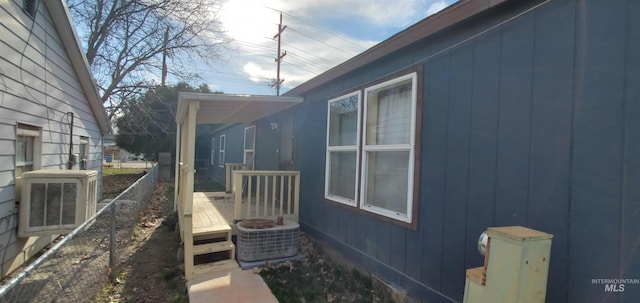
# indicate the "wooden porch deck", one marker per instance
pixel 213 210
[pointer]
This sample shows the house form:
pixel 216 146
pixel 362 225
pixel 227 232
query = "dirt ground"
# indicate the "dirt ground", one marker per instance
pixel 151 272
pixel 112 185
pixel 319 278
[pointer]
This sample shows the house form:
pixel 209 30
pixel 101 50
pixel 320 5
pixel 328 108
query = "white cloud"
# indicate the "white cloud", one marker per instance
pixel 436 7
pixel 380 12
pixel 214 87
pixel 256 71
pixel 310 50
pixel 248 20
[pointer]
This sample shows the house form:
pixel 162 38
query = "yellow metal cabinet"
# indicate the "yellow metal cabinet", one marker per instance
pixel 515 268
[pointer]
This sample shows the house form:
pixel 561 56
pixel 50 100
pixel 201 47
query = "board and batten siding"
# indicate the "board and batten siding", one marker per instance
pixel 39 87
pixel 529 118
pixel 605 204
pixel 234 149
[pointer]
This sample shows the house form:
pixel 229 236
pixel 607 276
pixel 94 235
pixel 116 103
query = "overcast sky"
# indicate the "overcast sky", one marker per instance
pixel 320 34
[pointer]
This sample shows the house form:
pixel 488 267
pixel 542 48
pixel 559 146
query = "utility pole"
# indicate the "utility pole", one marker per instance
pixel 164 56
pixel 277 82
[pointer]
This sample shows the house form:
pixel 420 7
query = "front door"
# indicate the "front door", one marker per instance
pixel 287 144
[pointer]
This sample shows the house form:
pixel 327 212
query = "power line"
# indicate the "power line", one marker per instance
pixel 304 68
pixel 323 42
pixel 319 66
pixel 254 45
pixel 349 52
pixel 303 51
pixel 236 78
pixel 323 29
pixel 309 61
pixel 304 60
pixel 247 82
pixel 244 78
pixel 292 54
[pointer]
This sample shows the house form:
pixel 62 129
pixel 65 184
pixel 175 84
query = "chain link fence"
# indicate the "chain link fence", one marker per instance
pixel 80 264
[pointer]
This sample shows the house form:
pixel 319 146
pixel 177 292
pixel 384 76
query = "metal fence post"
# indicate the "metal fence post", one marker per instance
pixel 112 243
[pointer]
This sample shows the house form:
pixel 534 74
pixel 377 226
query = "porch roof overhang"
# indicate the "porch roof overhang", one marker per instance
pixel 229 109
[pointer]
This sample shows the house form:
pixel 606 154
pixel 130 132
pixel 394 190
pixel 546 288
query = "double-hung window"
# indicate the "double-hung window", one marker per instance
pixel 388 147
pixel 27 148
pixel 373 168
pixel 221 151
pixel 249 146
pixel 213 151
pixel 343 135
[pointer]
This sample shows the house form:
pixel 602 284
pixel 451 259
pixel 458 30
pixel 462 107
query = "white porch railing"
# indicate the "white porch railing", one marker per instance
pixel 230 168
pixel 257 194
pixel 185 212
pixel 266 194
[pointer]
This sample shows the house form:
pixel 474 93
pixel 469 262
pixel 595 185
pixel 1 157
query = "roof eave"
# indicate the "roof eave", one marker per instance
pixel 229 108
pixel 64 26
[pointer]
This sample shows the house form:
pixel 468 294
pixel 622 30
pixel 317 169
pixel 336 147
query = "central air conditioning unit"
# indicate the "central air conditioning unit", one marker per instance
pixel 55 202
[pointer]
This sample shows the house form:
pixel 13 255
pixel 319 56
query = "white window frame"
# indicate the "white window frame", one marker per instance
pixel 249 150
pixel 35 133
pixel 83 158
pixel 221 153
pixel 366 148
pixel 343 148
pixel 213 151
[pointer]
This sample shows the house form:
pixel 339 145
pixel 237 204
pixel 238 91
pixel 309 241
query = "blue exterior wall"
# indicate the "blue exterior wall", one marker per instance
pixel 527 121
pixel 269 133
pixel 605 196
pixel 266 148
pixel 234 150
pixel 267 144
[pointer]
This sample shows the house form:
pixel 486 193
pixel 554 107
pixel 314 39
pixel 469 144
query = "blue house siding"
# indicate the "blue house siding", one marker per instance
pixel 605 211
pixel 234 149
pixel 268 140
pixel 630 229
pixel 493 115
pixel 531 122
pixel 529 117
pixel 266 157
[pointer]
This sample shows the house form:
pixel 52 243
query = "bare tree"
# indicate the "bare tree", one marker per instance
pixel 126 42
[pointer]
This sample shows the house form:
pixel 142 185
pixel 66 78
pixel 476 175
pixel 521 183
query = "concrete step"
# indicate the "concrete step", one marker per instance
pixel 229 286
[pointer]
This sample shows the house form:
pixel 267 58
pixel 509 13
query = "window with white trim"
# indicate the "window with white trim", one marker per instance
pixel 389 126
pixel 28 149
pixel 371 145
pixel 343 136
pixel 221 151
pixel 249 146
pixel 213 151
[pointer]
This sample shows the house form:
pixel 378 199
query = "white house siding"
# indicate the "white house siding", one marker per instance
pixel 38 86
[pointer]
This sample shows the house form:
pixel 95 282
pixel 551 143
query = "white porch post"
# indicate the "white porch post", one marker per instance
pixel 176 180
pixel 190 151
pixel 189 161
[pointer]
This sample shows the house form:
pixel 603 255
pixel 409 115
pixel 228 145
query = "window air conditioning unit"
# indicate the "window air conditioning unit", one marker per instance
pixel 55 202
